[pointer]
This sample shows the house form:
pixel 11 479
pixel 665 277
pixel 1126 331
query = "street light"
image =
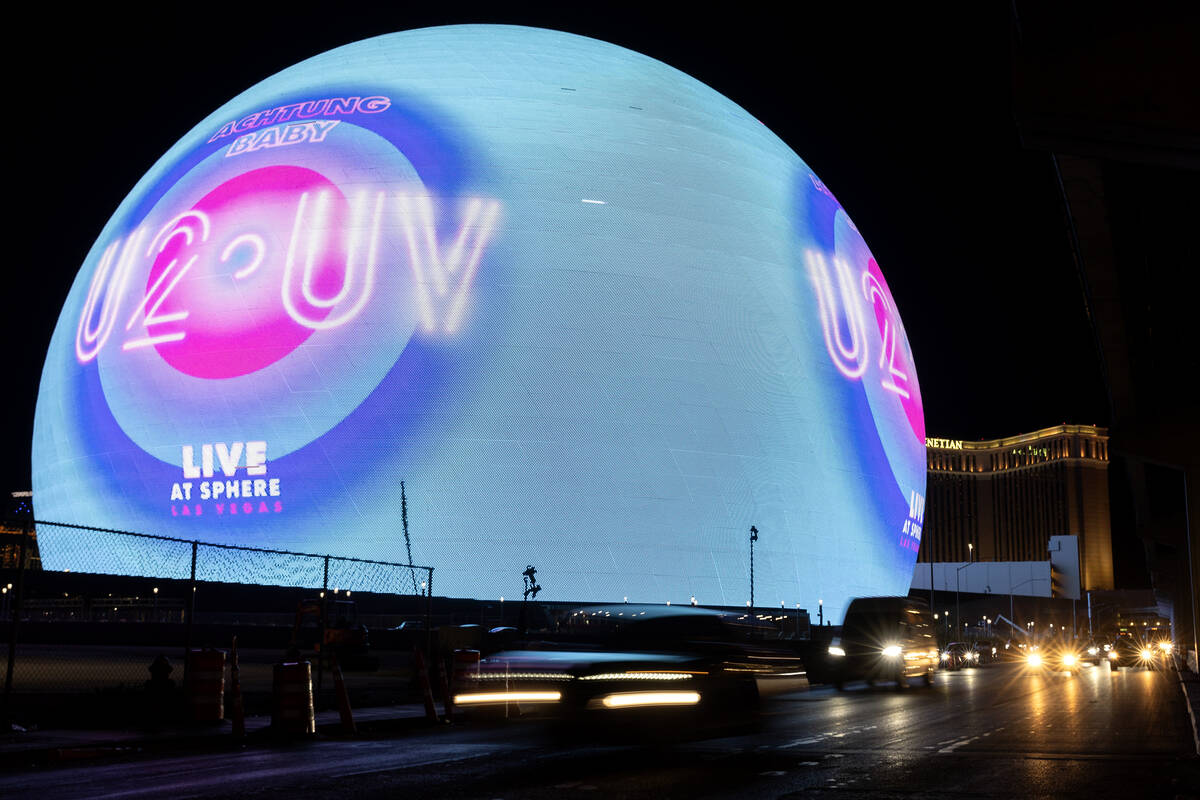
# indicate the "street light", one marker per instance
pixel 753 539
pixel 957 588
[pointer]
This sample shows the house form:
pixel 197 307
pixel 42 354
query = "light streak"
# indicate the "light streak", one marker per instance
pixel 480 698
pixel 641 699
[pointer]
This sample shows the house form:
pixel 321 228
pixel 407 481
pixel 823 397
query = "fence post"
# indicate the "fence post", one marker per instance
pixel 191 613
pixel 15 605
pixel 321 646
pixel 429 613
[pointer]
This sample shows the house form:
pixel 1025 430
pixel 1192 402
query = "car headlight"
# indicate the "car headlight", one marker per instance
pixel 1034 660
pixel 1069 660
pixel 891 651
pixel 1112 655
pixel 1146 654
pixel 945 656
pixel 1166 647
pixel 834 650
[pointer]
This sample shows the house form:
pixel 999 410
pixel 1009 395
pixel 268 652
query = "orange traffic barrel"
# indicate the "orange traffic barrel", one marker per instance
pixel 292 706
pixel 206 685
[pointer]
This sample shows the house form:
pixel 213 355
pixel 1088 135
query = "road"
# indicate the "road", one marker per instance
pixel 997 731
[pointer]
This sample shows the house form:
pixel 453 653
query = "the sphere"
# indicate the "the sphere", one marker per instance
pixel 594 315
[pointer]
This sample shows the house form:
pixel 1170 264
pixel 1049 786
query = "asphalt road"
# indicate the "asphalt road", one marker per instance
pixel 997 731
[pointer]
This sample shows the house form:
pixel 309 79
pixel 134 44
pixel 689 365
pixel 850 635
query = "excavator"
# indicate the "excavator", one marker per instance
pixel 336 633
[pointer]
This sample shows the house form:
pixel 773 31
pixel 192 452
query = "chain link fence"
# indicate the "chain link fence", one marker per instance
pixel 106 642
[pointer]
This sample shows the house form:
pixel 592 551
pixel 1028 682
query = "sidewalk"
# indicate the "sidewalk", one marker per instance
pixel 1189 682
pixel 19 748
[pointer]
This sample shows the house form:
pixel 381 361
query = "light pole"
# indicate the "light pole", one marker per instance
pixel 1011 587
pixel 753 539
pixel 957 591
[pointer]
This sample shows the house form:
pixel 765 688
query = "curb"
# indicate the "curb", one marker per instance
pixel 1188 702
pixel 215 741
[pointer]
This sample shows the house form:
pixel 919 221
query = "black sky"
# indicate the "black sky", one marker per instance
pixel 906 115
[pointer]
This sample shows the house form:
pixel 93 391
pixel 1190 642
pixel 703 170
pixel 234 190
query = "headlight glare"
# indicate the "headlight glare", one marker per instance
pixel 892 650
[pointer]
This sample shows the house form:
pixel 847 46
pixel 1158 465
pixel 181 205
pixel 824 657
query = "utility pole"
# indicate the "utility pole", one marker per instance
pixel 753 539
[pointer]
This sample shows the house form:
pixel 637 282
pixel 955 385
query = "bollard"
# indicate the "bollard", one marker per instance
pixel 206 685
pixel 292 700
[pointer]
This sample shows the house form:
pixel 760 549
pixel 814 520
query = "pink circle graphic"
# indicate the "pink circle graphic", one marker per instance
pixel 213 302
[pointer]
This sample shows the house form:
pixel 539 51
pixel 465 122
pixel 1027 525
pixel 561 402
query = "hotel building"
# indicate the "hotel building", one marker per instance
pixel 1002 499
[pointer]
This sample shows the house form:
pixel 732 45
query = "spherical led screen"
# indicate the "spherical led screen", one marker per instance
pixel 594 315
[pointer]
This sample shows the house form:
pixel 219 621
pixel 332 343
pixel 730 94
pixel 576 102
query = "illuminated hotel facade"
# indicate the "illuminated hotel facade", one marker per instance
pixel 1006 497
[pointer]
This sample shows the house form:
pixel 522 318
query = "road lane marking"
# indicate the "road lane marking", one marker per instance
pixel 959 743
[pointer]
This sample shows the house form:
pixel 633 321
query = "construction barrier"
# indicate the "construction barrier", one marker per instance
pixel 206 685
pixel 292 699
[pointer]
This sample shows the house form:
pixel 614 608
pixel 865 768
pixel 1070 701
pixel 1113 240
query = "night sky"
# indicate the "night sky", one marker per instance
pixel 907 118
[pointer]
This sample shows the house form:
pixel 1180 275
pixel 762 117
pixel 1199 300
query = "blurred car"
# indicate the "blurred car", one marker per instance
pixel 634 665
pixel 885 639
pixel 1092 652
pixel 958 655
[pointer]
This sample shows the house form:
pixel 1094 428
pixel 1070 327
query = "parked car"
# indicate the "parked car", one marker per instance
pixel 885 639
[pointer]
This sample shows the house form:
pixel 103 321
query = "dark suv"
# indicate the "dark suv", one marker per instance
pixel 885 639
